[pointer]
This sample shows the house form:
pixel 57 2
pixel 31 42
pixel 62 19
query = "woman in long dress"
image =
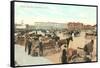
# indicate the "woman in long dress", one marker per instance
pixel 64 56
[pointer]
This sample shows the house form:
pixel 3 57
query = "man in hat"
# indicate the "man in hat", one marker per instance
pixel 29 46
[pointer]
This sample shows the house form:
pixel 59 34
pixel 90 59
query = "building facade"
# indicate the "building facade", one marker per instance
pixel 49 25
pixel 75 26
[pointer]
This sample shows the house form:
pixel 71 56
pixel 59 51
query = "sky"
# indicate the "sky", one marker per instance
pixel 28 13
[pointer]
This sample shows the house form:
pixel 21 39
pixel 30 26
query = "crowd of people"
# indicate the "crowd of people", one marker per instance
pixel 29 47
pixel 36 48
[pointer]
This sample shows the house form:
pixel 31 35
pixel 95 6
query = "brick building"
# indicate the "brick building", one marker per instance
pixel 89 27
pixel 75 26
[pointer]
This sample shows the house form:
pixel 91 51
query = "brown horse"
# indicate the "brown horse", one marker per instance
pixel 65 41
pixel 88 48
pixel 71 53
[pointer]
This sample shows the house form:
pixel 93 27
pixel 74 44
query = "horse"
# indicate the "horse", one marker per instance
pixel 65 41
pixel 70 33
pixel 89 34
pixel 73 55
pixel 56 38
pixel 88 48
pixel 48 35
pixel 76 33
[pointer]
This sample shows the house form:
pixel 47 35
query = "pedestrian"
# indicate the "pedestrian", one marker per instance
pixel 64 56
pixel 29 46
pixel 26 41
pixel 26 44
pixel 40 48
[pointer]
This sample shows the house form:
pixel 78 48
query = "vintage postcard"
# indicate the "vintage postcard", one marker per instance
pixel 53 33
